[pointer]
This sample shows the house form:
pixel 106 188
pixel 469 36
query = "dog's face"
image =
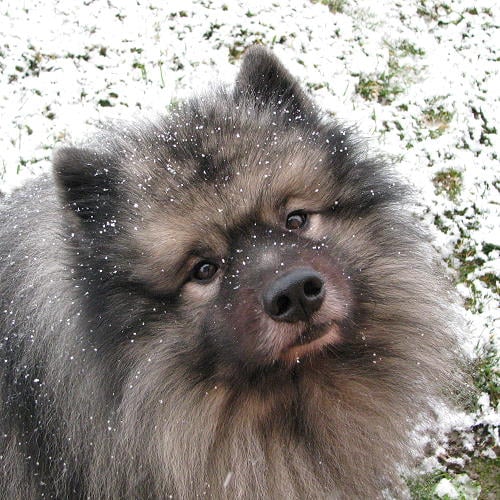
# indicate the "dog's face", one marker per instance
pixel 245 215
pixel 247 247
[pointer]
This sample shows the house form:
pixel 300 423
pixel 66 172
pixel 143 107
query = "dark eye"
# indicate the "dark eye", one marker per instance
pixel 204 271
pixel 296 220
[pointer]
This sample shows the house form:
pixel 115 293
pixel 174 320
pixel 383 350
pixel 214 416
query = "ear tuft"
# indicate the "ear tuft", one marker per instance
pixel 265 80
pixel 85 178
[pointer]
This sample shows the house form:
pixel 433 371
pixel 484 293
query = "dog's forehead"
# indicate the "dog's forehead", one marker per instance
pixel 213 140
pixel 247 180
pixel 245 158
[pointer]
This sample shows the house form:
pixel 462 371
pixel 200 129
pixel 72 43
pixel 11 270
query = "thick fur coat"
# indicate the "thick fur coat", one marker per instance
pixel 141 354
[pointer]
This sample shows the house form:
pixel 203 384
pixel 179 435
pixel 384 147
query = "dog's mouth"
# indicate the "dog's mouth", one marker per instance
pixel 312 340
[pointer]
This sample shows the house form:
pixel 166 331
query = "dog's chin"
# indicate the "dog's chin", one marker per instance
pixel 311 342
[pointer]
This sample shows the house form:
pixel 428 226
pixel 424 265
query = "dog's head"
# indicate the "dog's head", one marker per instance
pixel 248 220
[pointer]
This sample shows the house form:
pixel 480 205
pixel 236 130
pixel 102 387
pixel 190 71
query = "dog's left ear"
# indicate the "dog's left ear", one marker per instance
pixel 264 80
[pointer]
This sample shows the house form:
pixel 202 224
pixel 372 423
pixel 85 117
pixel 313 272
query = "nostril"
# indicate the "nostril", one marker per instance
pixel 283 304
pixel 294 296
pixel 312 287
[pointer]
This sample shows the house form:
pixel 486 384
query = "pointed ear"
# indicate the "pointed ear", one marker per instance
pixel 265 80
pixel 86 180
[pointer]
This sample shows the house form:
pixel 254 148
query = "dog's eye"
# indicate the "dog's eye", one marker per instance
pixel 296 220
pixel 204 271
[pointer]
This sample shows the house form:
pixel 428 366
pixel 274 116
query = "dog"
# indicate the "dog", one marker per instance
pixel 232 301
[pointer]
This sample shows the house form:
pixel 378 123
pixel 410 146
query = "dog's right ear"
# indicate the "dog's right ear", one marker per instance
pixel 263 79
pixel 86 180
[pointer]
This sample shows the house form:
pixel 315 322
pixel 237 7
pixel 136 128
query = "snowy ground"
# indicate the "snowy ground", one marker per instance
pixel 421 76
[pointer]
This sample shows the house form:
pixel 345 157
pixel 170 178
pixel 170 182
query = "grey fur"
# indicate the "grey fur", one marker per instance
pixel 121 378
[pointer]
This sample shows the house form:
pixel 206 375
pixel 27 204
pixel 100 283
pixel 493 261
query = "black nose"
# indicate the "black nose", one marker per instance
pixel 294 296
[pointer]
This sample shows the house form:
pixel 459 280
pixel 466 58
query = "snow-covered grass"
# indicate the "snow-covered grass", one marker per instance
pixel 420 76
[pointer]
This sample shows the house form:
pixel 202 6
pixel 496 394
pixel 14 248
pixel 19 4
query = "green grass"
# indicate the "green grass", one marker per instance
pixel 487 129
pixel 433 10
pixel 236 50
pixel 437 119
pixel 142 67
pixel 481 481
pixel 492 281
pixel 407 48
pixel 381 88
pixel 448 182
pixel 424 487
pixel 486 472
pixel 486 373
pixel 386 86
pixel 334 6
pixel 468 260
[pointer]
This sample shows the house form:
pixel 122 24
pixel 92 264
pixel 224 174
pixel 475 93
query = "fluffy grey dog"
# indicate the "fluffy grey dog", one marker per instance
pixel 230 302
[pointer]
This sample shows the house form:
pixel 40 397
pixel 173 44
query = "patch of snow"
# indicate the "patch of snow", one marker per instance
pixel 446 489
